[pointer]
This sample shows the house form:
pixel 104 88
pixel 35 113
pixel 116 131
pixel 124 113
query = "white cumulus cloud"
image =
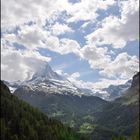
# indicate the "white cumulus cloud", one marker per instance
pixel 19 65
pixel 118 30
pixel 123 66
pixel 59 29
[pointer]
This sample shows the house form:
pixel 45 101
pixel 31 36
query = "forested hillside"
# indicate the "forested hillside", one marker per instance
pixel 20 121
pixel 122 115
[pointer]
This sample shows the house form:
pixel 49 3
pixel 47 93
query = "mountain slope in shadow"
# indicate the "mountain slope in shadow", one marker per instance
pixel 20 121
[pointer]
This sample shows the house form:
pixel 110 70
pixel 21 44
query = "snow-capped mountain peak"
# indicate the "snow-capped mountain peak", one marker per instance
pixel 47 81
pixel 45 73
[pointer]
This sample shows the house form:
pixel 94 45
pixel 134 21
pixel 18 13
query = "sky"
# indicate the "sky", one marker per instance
pixel 94 43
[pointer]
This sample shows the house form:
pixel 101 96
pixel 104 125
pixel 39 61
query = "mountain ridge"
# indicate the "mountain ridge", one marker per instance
pixel 45 78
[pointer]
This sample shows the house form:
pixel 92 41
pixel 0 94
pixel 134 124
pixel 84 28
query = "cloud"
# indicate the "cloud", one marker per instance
pixel 28 60
pixel 85 24
pixel 104 83
pixel 87 9
pixel 19 12
pixel 62 46
pixel 29 36
pixel 94 86
pixel 34 37
pixel 16 13
pixel 19 65
pixel 117 31
pixel 75 79
pixel 69 46
pixel 123 66
pixel 75 75
pixel 114 30
pixel 96 56
pixel 59 29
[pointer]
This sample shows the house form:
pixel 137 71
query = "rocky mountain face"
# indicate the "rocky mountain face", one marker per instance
pixel 47 81
pixel 12 85
pixel 45 73
pixel 110 93
pixel 115 91
pixel 131 96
